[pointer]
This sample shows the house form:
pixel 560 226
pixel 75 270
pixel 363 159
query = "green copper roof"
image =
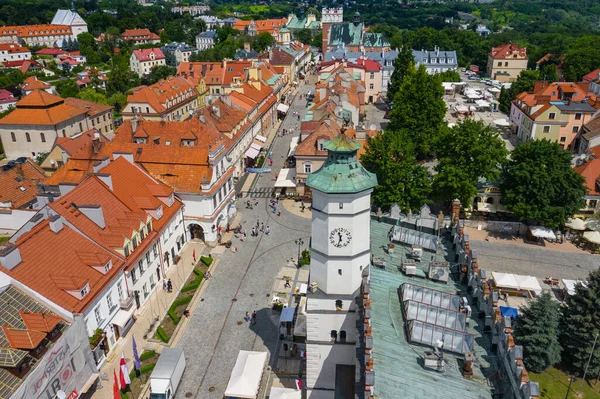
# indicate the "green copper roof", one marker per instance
pixel 347 33
pixel 341 173
pixel 284 30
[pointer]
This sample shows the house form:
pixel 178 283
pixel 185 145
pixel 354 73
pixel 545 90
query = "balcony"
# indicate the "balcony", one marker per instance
pixel 126 303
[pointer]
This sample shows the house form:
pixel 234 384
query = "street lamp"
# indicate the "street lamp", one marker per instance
pixel 588 364
pixel 300 242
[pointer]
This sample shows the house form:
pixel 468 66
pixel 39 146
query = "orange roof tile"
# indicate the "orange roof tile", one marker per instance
pixel 508 50
pixel 38 271
pixel 75 143
pixel 44 322
pixel 39 98
pixel 158 94
pixel 35 30
pixel 12 48
pixel 308 147
pixel 139 34
pixel 90 107
pixel 33 83
pixel 591 172
pixel 23 339
pixel 19 184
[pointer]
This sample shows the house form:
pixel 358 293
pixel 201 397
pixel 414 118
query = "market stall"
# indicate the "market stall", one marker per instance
pixel 246 375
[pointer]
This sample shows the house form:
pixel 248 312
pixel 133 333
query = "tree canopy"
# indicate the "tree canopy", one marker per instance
pixel 419 109
pixel 539 185
pixel 538 331
pixel 402 180
pixel 467 153
pixel 160 72
pixel 401 65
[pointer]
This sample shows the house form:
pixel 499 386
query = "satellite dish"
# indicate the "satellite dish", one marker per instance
pixel 373 127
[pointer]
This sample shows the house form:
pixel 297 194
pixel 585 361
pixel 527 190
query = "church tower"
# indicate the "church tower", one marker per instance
pixel 340 251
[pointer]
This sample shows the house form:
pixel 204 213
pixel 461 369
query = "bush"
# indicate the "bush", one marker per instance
pixel 260 161
pixel 206 260
pixel 278 307
pixel 175 305
pixel 196 283
pixel 162 335
pixel 147 355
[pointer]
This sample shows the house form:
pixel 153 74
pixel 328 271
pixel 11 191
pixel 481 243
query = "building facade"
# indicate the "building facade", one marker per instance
pixel 206 40
pixel 506 62
pixel 13 52
pixel 142 61
pixel 436 61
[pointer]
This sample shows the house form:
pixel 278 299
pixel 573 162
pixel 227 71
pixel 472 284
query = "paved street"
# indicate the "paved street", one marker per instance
pixel 538 262
pixel 243 282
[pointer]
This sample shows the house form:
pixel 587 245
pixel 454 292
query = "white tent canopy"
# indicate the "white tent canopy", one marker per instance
pixel 570 285
pixel 285 393
pixel 576 224
pixel 246 375
pixel 542 232
pixel 528 283
pixel 283 107
pixel 482 104
pixel 461 108
pixel 505 280
pixel 261 138
pixel 293 146
pixel 501 122
pixel 252 152
pixel 286 178
pixel 592 236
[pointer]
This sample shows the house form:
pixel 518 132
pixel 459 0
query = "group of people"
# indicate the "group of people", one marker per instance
pixel 167 285
pixel 251 318
pixel 259 228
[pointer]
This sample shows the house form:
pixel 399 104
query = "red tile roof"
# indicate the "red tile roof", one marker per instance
pixel 592 76
pixel 12 48
pixel 73 144
pixel 6 97
pixel 146 54
pixel 19 184
pixel 90 107
pixel 139 34
pixel 39 99
pixel 33 83
pixel 369 65
pixel 42 108
pixel 308 147
pixel 51 51
pixel 159 93
pixel 591 172
pixel 44 322
pixel 35 30
pixel 23 339
pixel 505 51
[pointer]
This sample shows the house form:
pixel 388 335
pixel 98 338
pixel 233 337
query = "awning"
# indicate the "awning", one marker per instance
pixel 246 375
pixel 473 96
pixel 287 314
pixel 482 103
pixel 283 108
pixel 257 144
pixel 252 152
pixel 461 108
pixel 576 224
pixel 528 283
pixel 303 289
pixel 542 232
pixel 570 285
pixel 510 312
pixel 261 138
pixel 122 317
pixel 592 236
pixel 501 122
pixel 285 393
pixel 88 384
pixel 505 280
pixel 286 178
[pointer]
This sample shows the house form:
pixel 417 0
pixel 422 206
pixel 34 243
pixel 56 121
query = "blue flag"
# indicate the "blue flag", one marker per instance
pixel 137 364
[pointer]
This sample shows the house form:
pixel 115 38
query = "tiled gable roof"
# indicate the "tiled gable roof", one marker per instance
pixel 146 54
pixel 591 173
pixel 19 184
pixel 327 130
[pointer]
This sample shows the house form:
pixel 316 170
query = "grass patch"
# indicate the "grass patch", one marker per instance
pixel 554 383
pixel 4 238
pixel 195 282
pixel 147 355
pixel 161 334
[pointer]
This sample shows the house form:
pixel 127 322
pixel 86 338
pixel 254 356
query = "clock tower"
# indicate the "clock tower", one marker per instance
pixel 341 205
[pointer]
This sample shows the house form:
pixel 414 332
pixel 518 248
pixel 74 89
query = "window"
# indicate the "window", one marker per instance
pixel 84 291
pixel 333 335
pixel 27 137
pixel 578 116
pixel 592 203
pixel 372 76
pixel 563 139
pixel 499 63
pixel 145 289
pixel 546 129
pixel 552 116
pixel 133 276
pixel 120 290
pixel 506 64
pixel 97 315
pixel 152 284
pixel 126 250
pixel 343 336
pixel 80 127
pixel 340 272
pixel 109 300
pixel 575 129
pixel 155 250
pixel 13 137
pixel 341 205
pixel 307 168
pixel 134 242
pixel 42 137
pixel 371 86
pixel 148 257
pixel 338 304
pixel 141 266
pixel 215 202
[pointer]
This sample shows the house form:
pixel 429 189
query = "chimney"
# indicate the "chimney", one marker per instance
pixel 10 256
pixel 93 212
pixel 65 157
pixel 134 123
pixel 19 169
pixel 56 223
pixel 216 111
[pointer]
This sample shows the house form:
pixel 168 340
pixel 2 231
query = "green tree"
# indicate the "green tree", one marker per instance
pixel 539 185
pixel 317 40
pixel 402 63
pixel 580 324
pixel 11 78
pixel 538 332
pixel 402 180
pixel 450 76
pixel 303 35
pixel 525 82
pixel 67 88
pixel 467 153
pixel 92 95
pixel 419 109
pixel 121 78
pixel 117 100
pixel 87 44
pixel 160 72
pixel 262 41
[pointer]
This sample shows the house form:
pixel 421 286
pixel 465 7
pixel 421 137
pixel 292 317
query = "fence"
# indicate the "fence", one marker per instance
pixel 493 226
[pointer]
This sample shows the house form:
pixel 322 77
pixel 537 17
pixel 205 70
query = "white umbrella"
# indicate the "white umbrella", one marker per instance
pixel 592 236
pixel 576 224
pixel 501 122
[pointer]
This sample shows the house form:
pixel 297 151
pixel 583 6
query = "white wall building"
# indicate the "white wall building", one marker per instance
pixel 206 40
pixel 70 18
pixel 142 61
pixel 13 52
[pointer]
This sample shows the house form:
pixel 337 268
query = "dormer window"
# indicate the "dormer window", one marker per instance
pixel 84 291
pixel 159 212
pixel 134 242
pixel 171 199
pixel 108 266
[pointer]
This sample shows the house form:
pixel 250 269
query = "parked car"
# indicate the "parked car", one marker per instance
pixel 463 69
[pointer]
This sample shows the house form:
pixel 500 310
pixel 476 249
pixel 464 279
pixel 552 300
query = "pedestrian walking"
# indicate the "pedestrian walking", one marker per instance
pixel 270 162
pixel 274 208
pixel 164 285
pixel 287 283
pixel 244 234
pixel 298 116
pixel 257 223
pixel 254 317
pixel 262 227
pixel 169 286
pixel 247 317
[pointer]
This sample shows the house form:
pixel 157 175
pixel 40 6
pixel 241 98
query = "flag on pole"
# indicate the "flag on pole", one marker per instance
pixel 116 393
pixel 137 364
pixel 194 254
pixel 124 373
pixel 298 384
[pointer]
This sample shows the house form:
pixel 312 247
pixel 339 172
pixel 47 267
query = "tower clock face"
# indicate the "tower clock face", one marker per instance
pixel 340 237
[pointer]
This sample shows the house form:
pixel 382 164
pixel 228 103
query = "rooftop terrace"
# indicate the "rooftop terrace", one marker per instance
pixel 398 366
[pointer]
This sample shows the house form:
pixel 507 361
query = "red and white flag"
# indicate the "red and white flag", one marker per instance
pixel 124 373
pixel 194 254
pixel 298 384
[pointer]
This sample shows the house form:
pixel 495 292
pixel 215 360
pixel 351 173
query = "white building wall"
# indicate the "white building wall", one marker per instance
pixel 325 358
pixel 99 314
pixel 12 220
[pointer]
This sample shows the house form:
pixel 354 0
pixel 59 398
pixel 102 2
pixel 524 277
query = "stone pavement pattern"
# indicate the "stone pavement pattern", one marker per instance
pixel 244 282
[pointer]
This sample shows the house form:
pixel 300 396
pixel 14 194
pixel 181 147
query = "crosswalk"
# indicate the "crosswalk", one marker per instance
pixel 259 192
